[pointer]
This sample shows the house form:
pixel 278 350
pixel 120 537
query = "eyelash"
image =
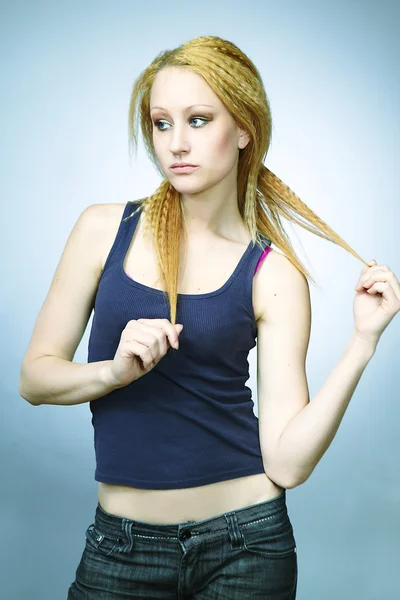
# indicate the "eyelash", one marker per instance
pixel 191 119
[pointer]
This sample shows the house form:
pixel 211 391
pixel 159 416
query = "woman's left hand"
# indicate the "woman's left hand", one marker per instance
pixel 376 302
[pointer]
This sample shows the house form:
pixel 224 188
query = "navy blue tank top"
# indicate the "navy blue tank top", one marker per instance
pixel 189 421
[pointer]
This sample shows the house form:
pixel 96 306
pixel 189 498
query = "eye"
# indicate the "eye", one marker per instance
pixel 157 123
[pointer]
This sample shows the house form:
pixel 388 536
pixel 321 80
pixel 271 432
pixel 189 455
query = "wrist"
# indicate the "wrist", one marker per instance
pixel 106 377
pixel 366 346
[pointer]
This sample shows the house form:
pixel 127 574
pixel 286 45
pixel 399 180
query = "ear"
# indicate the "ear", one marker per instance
pixel 243 138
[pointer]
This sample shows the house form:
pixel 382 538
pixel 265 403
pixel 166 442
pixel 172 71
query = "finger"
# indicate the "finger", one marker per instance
pixel 365 270
pixel 370 263
pixel 165 326
pixel 143 338
pixel 394 282
pixel 366 275
pixel 384 277
pixel 387 292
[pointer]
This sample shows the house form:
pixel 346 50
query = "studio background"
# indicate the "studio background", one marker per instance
pixel 331 73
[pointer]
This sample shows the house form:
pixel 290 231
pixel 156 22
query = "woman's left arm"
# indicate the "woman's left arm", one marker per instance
pixel 307 436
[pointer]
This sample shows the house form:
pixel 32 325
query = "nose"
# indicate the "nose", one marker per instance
pixel 178 142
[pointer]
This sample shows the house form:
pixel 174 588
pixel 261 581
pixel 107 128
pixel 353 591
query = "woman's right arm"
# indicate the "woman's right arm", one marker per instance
pixel 54 380
pixel 48 375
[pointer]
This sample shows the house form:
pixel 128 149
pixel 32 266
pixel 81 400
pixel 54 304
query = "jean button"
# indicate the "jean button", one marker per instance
pixel 184 535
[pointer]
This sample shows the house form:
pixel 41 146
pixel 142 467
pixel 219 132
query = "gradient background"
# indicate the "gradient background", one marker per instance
pixel 331 72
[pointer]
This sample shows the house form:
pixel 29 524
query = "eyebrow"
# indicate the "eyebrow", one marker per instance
pixel 185 109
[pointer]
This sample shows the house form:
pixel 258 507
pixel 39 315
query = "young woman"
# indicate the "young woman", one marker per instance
pixel 192 485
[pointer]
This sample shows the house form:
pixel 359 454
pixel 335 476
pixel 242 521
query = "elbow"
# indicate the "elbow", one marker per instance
pixel 26 384
pixel 297 480
pixel 294 483
pixel 22 391
pixel 289 480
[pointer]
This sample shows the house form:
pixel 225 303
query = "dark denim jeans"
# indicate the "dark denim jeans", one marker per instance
pixel 243 554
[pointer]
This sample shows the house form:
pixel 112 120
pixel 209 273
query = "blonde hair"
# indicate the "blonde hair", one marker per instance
pixel 262 197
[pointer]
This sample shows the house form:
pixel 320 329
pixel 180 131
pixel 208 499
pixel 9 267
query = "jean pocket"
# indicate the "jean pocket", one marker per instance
pixel 108 543
pixel 270 537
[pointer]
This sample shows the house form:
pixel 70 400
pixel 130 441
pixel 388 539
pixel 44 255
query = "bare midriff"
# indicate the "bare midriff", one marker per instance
pixel 186 504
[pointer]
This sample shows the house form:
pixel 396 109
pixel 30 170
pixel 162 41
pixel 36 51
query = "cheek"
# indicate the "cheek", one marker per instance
pixel 224 141
pixel 225 156
pixel 224 149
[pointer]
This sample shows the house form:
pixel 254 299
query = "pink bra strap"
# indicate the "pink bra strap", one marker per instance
pixel 263 255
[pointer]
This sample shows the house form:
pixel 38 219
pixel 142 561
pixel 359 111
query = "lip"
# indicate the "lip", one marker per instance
pixel 184 169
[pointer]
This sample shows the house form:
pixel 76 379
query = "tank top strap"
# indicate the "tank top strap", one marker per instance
pixel 127 226
pixel 253 262
pixel 256 256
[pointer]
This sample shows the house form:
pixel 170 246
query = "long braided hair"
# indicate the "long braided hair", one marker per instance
pixel 262 197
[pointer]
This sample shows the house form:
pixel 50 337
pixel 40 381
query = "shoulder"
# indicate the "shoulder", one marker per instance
pixel 97 217
pixel 281 287
pixel 103 215
pixel 102 219
pixel 108 218
pixel 110 215
pixel 101 222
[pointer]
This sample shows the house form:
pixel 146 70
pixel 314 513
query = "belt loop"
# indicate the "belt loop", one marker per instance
pixel 235 535
pixel 127 525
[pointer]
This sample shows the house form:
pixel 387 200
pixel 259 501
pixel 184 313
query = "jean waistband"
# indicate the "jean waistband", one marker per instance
pixel 245 515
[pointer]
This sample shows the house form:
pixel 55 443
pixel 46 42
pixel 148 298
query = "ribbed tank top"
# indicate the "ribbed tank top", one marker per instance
pixel 189 421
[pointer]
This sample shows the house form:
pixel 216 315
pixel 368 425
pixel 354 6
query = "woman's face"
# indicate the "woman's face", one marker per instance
pixel 191 124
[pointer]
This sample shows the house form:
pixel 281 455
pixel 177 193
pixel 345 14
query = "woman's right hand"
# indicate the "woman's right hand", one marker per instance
pixel 142 345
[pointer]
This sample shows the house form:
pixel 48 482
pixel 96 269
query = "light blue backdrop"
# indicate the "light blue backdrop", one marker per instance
pixel 330 70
